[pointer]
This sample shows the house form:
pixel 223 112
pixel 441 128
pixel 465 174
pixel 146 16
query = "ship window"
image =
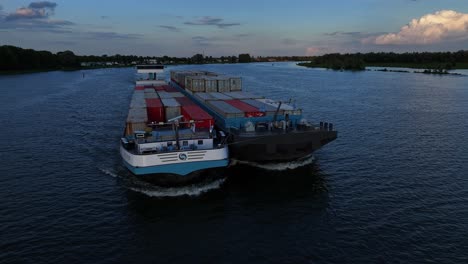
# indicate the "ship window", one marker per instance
pixel 200 142
pixel 169 143
pixel 185 143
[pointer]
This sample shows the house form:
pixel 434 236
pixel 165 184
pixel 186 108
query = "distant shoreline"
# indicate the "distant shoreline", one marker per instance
pixel 18 72
pixel 458 66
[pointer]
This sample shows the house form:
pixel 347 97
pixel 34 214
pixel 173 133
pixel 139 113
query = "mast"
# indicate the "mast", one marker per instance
pixel 276 112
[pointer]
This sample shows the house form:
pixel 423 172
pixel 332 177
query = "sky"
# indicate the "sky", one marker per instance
pixel 225 28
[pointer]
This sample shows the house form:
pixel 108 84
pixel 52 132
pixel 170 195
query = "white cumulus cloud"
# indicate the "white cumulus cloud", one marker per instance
pixel 431 28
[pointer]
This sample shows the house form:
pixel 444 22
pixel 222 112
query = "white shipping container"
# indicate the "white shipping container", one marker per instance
pixel 137 115
pixel 243 95
pixel 204 96
pixel 171 107
pixel 211 85
pixel 235 84
pixel 151 95
pixel 164 94
pixel 176 94
pixel 223 85
pixel 220 96
pixel 138 103
pixel 225 109
pixel 195 83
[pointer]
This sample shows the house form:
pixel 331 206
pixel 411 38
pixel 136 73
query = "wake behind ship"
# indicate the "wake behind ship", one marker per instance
pixel 259 129
pixel 167 137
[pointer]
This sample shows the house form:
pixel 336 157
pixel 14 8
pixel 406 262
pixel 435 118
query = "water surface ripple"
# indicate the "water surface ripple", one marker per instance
pixel 392 188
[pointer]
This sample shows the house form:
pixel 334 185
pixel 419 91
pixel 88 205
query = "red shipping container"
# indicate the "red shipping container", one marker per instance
pixel 249 110
pixel 159 88
pixel 139 88
pixel 184 101
pixel 196 113
pixel 155 110
pixel 170 89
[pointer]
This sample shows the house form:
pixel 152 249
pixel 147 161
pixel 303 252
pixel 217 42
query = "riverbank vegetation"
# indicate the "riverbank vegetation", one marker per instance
pixel 15 60
pixel 18 60
pixel 433 61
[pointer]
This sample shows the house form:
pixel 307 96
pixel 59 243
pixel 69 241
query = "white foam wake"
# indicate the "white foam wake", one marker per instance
pixel 190 190
pixel 138 185
pixel 290 165
pixel 109 172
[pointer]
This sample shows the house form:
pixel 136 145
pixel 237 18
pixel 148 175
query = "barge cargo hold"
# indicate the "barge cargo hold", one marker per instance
pixel 259 129
pixel 167 136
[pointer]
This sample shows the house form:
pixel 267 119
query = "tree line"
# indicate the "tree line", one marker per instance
pixel 358 61
pixel 18 59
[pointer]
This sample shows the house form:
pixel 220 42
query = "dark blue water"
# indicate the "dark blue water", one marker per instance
pixel 393 188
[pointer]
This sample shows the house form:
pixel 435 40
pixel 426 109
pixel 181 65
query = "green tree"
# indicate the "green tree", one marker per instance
pixel 67 59
pixel 197 58
pixel 244 57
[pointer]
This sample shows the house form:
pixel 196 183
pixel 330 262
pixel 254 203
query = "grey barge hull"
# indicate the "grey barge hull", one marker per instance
pixel 277 147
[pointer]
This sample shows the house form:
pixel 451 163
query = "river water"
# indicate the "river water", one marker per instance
pixel 393 188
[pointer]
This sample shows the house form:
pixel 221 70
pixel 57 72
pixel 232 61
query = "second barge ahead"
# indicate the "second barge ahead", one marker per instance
pixel 259 129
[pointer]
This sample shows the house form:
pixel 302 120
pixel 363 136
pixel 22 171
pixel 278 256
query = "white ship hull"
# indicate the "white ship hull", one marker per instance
pixel 176 162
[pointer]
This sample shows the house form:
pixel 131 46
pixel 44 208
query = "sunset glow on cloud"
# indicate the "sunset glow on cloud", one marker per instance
pixel 429 29
pixel 312 51
pixel 226 28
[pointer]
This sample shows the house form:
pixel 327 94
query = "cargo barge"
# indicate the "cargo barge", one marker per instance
pixel 259 129
pixel 167 135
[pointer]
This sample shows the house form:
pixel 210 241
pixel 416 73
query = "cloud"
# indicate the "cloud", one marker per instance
pixel 341 33
pixel 211 21
pixel 170 28
pixel 45 25
pixel 35 17
pixel 33 11
pixel 313 51
pixel 111 35
pixel 27 13
pixel 444 25
pixel 42 4
pixel 202 41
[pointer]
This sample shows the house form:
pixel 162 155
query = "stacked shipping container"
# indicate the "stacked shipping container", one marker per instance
pixel 137 116
pixel 249 110
pixel 203 81
pixel 194 112
pixel 155 110
pixel 183 101
pixel 171 108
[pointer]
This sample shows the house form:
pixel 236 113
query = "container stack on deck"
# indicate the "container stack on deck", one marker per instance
pixel 203 81
pixel 201 118
pixel 137 117
pixel 223 95
pixel 155 110
pixel 154 104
